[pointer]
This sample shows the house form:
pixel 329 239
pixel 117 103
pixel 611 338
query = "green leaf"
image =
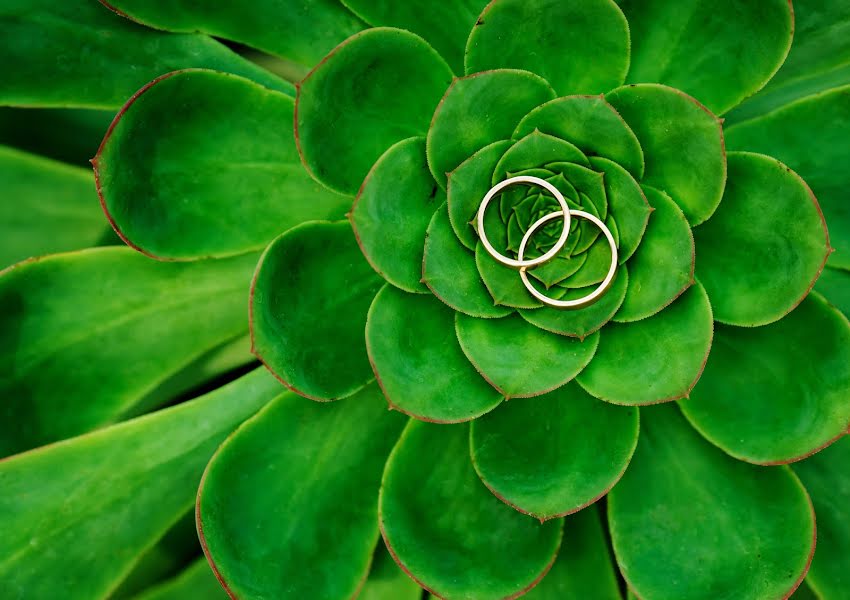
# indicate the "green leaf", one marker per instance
pixel 447 531
pixel 49 207
pixel 387 581
pixel 309 300
pixel 306 475
pixel 662 268
pixel 584 568
pixel 583 322
pixel 679 137
pixel 519 359
pixel 201 164
pixel 502 282
pixel 689 522
pixel 196 581
pixel 827 480
pixel 418 361
pixel 720 52
pixel 578 47
pixel 835 285
pixel 591 124
pixel 536 150
pixel 658 359
pixel 445 25
pixel 555 454
pixel 57 54
pixel 763 249
pixel 297 30
pixel 478 110
pixel 450 272
pixel 361 99
pixel 77 515
pixel 87 335
pixel 392 212
pixel 795 376
pixel 787 134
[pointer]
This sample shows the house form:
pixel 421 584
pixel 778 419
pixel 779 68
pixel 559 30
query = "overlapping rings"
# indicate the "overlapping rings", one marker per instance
pixel 523 265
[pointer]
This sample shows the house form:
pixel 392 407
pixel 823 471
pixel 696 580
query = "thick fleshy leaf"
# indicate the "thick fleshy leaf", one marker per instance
pixel 196 581
pixel 578 47
pixel 309 300
pixel 306 475
pixel 392 212
pixel 377 88
pixel 77 515
pixel 445 25
pixel 720 52
pixel 834 284
pixel 795 376
pixel 447 530
pixel 87 335
pixel 763 249
pixel 826 478
pixel 555 454
pixel 679 137
pixel 56 54
pixel 590 123
pixel 48 207
pixel 626 203
pixel 787 135
pixel 300 31
pixel 200 163
pixel 583 322
pixel 450 272
pixel 658 359
pixel 387 581
pixel 519 359
pixel 536 150
pixel 689 522
pixel 418 361
pixel 478 110
pixel 662 268
pixel 584 569
pixel 502 282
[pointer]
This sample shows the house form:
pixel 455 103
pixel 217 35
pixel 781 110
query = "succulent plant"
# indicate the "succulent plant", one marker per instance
pixel 637 445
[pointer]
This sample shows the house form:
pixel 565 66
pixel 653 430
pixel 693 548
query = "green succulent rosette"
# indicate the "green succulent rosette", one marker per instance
pixel 638 445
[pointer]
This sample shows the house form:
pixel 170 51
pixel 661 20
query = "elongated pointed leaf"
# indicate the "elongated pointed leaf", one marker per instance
pixel 361 99
pixel 57 54
pixel 306 475
pixel 88 334
pixel 77 514
pixel 201 164
pixel 689 522
pixel 447 530
pixel 533 35
pixel 309 300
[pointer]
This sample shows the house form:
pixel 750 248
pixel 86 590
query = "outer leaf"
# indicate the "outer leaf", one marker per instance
pixel 825 477
pixel 478 110
pixel 662 268
pixel 307 476
pixel 56 54
pixel 361 99
pixel 387 581
pixel 447 531
pixel 445 25
pixel 719 52
pixel 418 361
pixel 201 164
pixel 679 137
pixel 658 359
pixel 787 134
pixel 835 285
pixel 391 213
pixel 87 335
pixel 48 207
pixel 497 346
pixel 309 300
pixel 196 581
pixel 300 31
pixel 76 515
pixel 719 528
pixel 555 454
pixel 765 246
pixel 795 376
pixel 590 123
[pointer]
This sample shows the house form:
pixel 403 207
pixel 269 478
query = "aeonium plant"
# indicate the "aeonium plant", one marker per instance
pixel 528 448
